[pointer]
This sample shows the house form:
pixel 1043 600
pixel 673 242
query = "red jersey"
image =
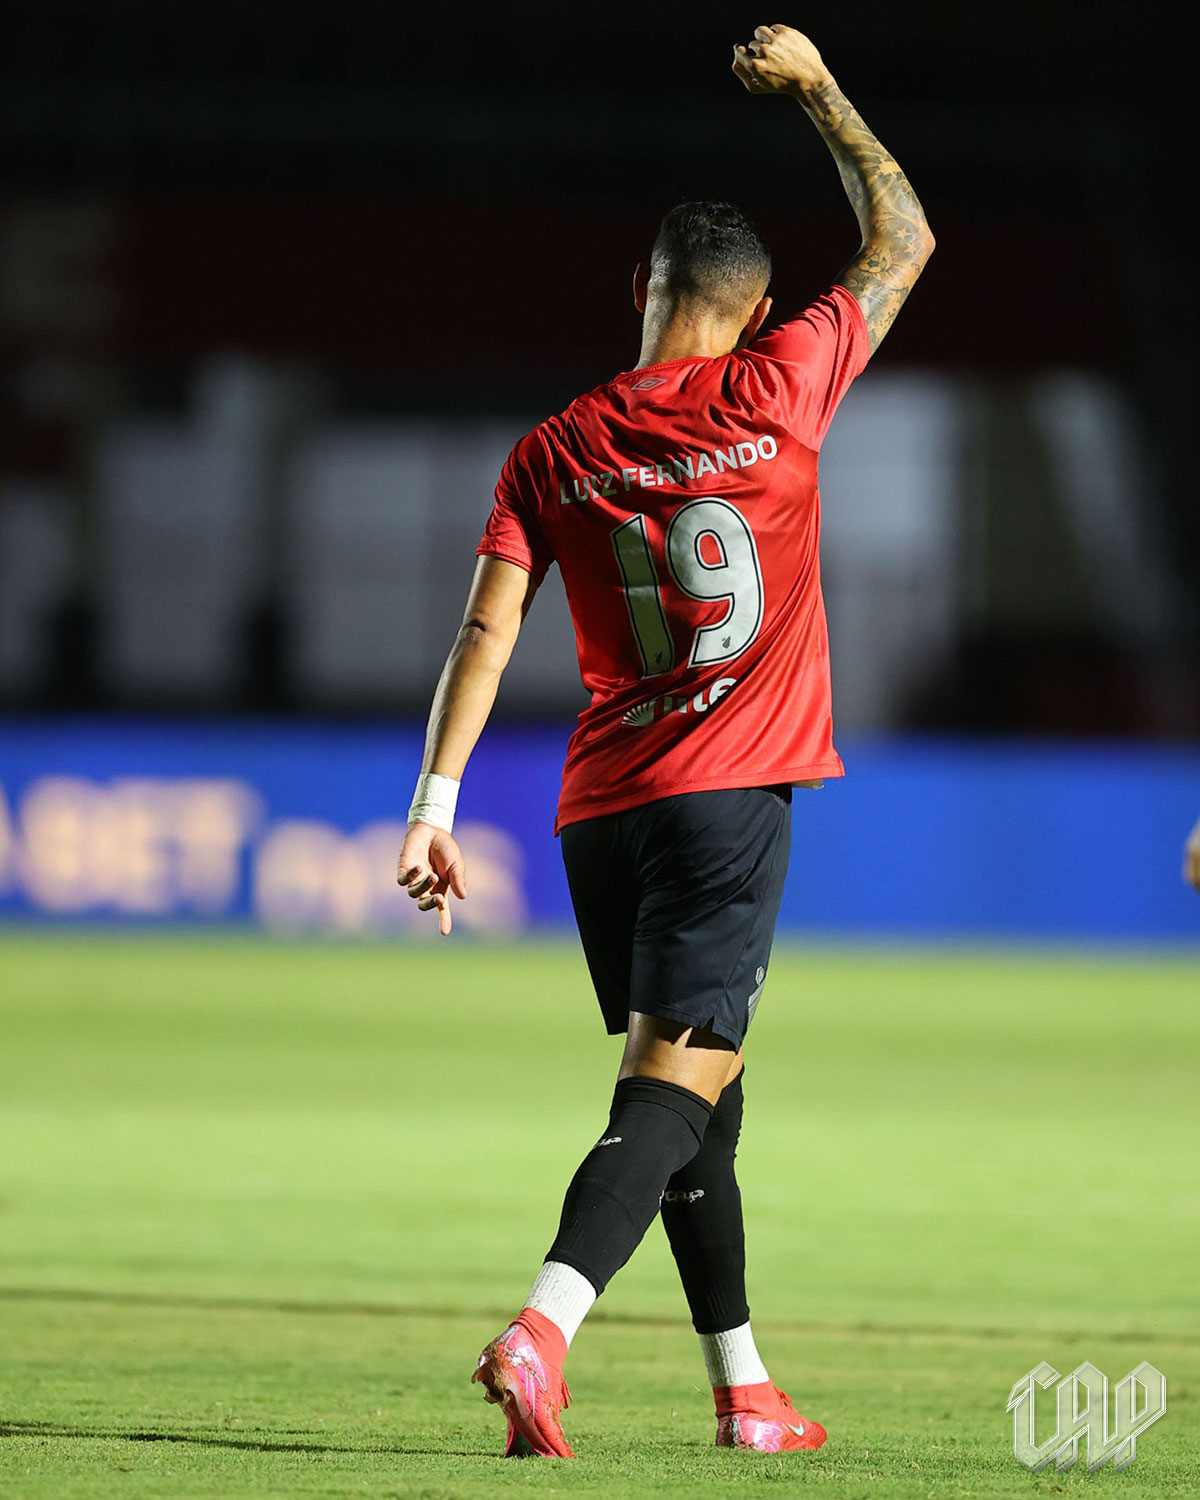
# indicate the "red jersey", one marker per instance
pixel 680 503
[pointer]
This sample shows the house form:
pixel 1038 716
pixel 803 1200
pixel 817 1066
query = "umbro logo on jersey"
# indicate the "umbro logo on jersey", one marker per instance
pixel 647 383
pixel 658 708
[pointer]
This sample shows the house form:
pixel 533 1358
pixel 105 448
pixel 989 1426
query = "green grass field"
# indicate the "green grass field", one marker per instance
pixel 261 1204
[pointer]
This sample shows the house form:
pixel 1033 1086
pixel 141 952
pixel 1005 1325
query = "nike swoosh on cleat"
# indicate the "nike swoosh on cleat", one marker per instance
pixel 799 1431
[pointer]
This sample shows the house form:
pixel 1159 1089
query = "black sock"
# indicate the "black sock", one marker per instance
pixel 702 1214
pixel 653 1129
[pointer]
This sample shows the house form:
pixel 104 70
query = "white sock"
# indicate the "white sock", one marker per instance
pixel 564 1296
pixel 732 1358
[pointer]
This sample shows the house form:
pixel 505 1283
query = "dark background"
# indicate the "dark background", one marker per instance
pixel 436 214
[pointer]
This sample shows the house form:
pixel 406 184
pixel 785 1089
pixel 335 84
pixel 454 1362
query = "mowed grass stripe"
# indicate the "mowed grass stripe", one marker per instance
pixel 600 1315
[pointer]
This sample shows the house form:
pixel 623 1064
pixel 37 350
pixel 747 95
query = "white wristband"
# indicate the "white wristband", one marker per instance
pixel 434 800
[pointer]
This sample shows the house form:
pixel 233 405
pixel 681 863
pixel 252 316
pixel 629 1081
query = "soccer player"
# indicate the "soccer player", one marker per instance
pixel 1191 857
pixel 679 500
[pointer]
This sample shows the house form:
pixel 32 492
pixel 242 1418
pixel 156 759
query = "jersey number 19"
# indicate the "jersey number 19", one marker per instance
pixel 734 578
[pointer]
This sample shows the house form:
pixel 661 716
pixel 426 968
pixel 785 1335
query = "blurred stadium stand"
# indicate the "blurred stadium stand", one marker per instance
pixel 280 284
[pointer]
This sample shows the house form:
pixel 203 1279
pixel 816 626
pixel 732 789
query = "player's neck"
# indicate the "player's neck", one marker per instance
pixel 684 337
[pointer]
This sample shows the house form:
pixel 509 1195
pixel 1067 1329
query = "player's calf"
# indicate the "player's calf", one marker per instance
pixel 653 1128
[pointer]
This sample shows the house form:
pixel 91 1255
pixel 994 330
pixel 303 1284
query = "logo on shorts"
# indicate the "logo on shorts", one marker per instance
pixel 658 708
pixel 760 978
pixel 691 1197
pixel 609 1140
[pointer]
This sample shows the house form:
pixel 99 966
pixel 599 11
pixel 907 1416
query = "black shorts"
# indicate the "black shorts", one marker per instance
pixel 676 902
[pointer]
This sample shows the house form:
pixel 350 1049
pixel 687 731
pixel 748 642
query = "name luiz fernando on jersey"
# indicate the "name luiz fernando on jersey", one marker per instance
pixel 674 471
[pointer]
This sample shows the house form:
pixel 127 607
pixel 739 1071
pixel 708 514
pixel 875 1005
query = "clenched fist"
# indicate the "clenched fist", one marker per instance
pixel 780 60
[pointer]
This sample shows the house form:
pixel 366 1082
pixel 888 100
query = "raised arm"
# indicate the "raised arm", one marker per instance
pixel 896 238
pixel 431 863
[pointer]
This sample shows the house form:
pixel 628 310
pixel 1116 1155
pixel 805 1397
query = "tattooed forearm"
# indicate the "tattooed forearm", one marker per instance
pixel 896 239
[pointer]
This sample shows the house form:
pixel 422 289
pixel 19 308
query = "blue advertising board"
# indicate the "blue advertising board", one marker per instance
pixel 295 826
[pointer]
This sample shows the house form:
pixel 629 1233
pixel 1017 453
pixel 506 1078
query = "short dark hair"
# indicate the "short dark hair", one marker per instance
pixel 709 252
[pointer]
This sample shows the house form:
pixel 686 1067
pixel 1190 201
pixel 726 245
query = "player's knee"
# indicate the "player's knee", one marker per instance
pixel 693 1057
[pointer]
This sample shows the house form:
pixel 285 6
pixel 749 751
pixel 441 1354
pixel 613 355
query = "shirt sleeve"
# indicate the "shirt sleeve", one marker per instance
pixel 804 367
pixel 512 531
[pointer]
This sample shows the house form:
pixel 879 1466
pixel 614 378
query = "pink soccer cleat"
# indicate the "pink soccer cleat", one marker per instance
pixel 518 1373
pixel 762 1417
